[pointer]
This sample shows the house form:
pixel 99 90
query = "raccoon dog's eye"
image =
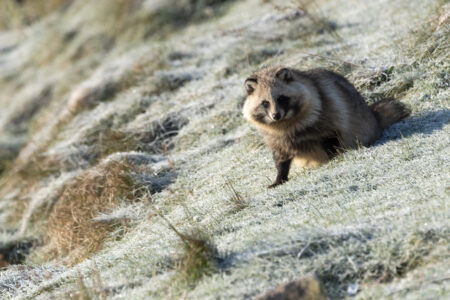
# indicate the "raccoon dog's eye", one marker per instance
pixel 283 99
pixel 265 104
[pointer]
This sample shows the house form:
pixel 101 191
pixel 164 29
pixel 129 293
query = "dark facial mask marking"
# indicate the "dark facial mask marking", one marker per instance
pixel 283 101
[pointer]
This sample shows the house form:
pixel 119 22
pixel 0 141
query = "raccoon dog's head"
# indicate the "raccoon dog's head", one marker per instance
pixel 275 97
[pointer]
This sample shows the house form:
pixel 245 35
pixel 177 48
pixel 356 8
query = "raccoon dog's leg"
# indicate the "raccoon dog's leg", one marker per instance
pixel 283 166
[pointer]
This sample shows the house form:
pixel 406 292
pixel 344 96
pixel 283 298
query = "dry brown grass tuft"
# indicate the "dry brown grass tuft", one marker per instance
pixel 237 201
pixel 72 232
pixel 199 255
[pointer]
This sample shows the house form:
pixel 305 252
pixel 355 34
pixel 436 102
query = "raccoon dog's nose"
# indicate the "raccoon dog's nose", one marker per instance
pixel 276 116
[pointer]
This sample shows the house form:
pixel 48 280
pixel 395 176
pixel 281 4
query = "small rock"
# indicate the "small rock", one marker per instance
pixel 352 289
pixel 304 288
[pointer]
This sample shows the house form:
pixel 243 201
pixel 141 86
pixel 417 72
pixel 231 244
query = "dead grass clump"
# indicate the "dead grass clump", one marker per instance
pixel 199 255
pixel 237 201
pixel 72 233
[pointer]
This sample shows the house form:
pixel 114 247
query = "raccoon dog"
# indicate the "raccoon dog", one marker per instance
pixel 309 116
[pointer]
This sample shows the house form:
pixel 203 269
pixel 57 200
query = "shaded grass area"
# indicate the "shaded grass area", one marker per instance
pixel 236 200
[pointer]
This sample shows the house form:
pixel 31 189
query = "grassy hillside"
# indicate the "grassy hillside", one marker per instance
pixel 127 170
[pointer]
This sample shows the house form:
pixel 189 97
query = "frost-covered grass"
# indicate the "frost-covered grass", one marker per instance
pixel 159 89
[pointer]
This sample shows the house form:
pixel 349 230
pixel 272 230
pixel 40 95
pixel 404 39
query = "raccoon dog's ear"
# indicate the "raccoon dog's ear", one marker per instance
pixel 250 84
pixel 284 74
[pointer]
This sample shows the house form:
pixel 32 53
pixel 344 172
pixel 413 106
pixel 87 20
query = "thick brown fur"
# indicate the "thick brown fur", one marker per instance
pixel 309 116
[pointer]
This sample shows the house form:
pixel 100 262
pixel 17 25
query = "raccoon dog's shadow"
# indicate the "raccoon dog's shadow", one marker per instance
pixel 426 123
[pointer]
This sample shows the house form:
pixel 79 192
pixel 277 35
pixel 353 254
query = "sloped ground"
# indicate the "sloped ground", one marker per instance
pixel 127 164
